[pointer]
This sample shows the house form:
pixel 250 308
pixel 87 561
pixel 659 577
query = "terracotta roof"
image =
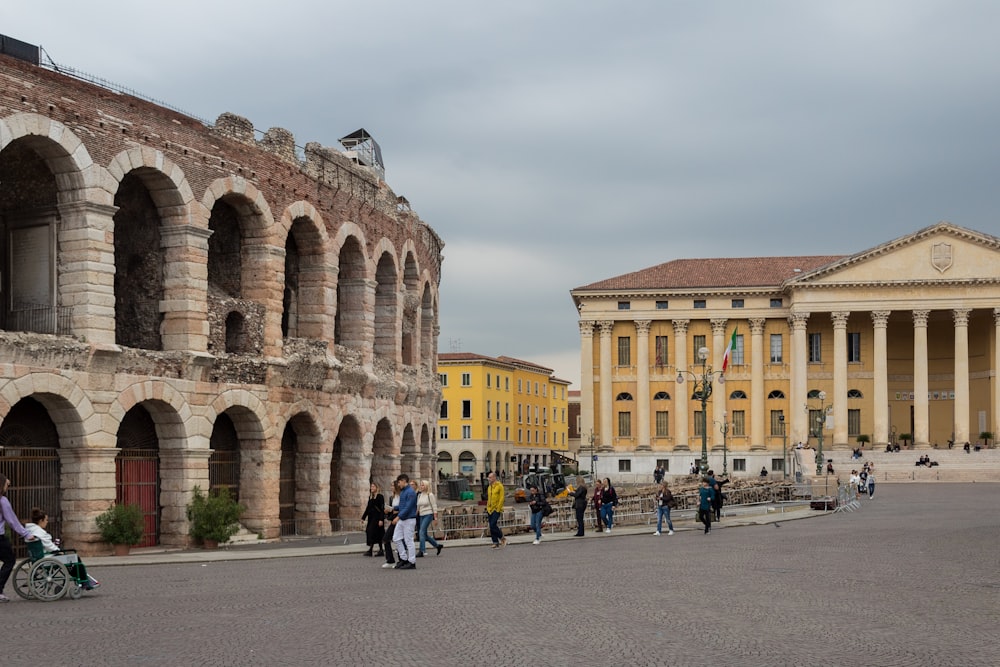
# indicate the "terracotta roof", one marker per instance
pixel 715 272
pixel 463 356
pixel 522 362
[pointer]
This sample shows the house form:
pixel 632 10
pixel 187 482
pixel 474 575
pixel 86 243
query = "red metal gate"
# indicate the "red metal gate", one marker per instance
pixel 137 481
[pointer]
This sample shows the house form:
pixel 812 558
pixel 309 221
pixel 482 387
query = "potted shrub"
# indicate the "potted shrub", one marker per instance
pixel 121 526
pixel 905 437
pixel 862 440
pixel 986 437
pixel 214 517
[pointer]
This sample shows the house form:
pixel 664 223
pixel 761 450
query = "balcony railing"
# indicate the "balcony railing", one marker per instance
pixel 39 318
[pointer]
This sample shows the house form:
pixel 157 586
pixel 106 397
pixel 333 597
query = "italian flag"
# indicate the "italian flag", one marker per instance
pixel 729 351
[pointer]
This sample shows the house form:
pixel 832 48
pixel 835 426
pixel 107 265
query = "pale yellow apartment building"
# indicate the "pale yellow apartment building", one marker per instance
pixel 897 343
pixel 499 414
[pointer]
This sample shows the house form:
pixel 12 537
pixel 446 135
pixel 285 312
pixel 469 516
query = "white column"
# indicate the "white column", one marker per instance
pixel 758 418
pixel 880 399
pixel 586 381
pixel 921 432
pixel 719 343
pixel 799 379
pixel 961 427
pixel 840 379
pixel 642 384
pixel 607 430
pixel 995 426
pixel 681 395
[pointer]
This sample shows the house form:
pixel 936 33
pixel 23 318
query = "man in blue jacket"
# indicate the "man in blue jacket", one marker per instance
pixel 405 525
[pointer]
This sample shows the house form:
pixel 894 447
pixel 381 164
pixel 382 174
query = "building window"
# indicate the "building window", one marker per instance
pixel 737 303
pixel 815 348
pixel 444 409
pixel 737 395
pixel 739 465
pixel 519 386
pixel 443 377
pixel 661 396
pixel 662 423
pixel 624 305
pixel 536 415
pixel 466 433
pixel 489 432
pixel 625 424
pixel 536 389
pixel 624 396
pixel 854 393
pixel 466 409
pixel 698 342
pixel 506 412
pixel 624 465
pixel 529 435
pixel 488 385
pixel 664 463
pixel 489 413
pixel 776 394
pixel 624 351
pixel 854 422
pixel 777 356
pixel 817 423
pixel 854 348
pixel 520 414
pixel 662 305
pixel 777 422
pixel 660 345
pixel 737 354
pixel 699 304
pixel 466 379
pixel 776 303
pixel 699 428
pixel 777 465
pixel 520 435
pixel 506 384
pixel 739 422
pixel 443 430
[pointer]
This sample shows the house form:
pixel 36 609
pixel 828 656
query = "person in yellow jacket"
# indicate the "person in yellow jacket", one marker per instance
pixel 494 509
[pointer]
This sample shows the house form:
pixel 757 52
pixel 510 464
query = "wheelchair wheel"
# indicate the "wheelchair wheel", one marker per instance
pixel 75 591
pixel 20 577
pixel 49 580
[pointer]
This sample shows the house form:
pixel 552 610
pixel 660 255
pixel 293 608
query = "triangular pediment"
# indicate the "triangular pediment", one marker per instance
pixel 941 253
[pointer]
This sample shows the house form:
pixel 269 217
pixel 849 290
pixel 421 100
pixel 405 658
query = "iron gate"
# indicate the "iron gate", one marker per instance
pixel 137 481
pixel 34 482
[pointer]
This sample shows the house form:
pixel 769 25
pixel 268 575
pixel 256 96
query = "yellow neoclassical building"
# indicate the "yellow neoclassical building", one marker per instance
pixel 896 343
pixel 498 413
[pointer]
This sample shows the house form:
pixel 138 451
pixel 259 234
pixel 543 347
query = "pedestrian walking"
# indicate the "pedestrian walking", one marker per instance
pixel 494 510
pixel 598 495
pixel 406 525
pixel 871 482
pixel 705 512
pixel 664 503
pixel 374 515
pixel 8 518
pixel 427 511
pixel 658 473
pixel 537 503
pixel 580 495
pixel 391 512
pixel 609 500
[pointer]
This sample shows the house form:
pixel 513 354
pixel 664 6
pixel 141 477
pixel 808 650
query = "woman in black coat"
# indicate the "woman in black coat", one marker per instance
pixel 580 498
pixel 375 515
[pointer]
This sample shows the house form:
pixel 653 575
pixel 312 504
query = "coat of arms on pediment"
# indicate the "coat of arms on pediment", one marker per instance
pixel 941 256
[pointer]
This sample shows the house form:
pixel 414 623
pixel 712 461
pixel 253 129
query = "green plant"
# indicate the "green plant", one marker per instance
pixel 905 437
pixel 215 516
pixel 121 524
pixel 986 437
pixel 862 439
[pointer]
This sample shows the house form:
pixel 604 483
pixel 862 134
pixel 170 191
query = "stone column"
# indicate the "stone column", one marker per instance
pixel 87 479
pixel 642 385
pixel 607 429
pixel 681 395
pixel 260 463
pixel 719 389
pixel 185 287
pixel 995 426
pixel 799 379
pixel 961 427
pixel 180 471
pixel 840 379
pixel 586 381
pixel 86 278
pixel 312 491
pixel 920 383
pixel 880 436
pixel 267 264
pixel 758 418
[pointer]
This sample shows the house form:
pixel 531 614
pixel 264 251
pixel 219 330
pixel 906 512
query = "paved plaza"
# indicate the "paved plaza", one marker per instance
pixel 912 578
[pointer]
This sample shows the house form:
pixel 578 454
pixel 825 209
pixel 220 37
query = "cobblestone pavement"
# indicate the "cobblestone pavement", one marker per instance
pixel 913 578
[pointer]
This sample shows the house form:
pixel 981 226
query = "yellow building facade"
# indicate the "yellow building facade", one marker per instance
pixel 898 343
pixel 498 413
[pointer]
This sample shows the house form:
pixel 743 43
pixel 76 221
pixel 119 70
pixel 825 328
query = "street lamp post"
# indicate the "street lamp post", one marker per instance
pixel 724 428
pixel 592 454
pixel 702 390
pixel 784 448
pixel 824 410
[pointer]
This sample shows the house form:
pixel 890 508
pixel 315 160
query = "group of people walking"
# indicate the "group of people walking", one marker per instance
pixel 864 480
pixel 398 528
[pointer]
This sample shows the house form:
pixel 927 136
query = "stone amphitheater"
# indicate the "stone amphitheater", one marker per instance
pixel 188 303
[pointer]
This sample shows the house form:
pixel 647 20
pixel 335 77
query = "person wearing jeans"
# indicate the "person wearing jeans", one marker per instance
pixel 406 525
pixel 537 503
pixel 664 499
pixel 428 512
pixel 609 500
pixel 494 508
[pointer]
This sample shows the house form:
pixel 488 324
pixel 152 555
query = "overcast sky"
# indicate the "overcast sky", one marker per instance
pixel 554 143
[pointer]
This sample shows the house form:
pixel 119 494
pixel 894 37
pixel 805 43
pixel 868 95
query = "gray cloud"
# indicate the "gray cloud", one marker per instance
pixel 557 143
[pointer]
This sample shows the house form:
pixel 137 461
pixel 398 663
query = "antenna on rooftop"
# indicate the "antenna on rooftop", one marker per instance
pixel 455 344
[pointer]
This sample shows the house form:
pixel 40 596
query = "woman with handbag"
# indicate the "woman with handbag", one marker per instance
pixel 598 494
pixel 609 500
pixel 580 495
pixel 427 511
pixel 374 515
pixel 664 503
pixel 537 503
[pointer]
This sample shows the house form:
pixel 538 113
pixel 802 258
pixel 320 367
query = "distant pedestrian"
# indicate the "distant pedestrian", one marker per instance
pixel 494 510
pixel 427 513
pixel 598 495
pixel 658 473
pixel 537 503
pixel 609 500
pixel 580 494
pixel 871 484
pixel 705 512
pixel 664 503
pixel 406 525
pixel 374 515
pixel 763 472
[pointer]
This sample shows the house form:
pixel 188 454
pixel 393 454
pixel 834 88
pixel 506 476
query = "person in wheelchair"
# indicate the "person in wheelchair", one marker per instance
pixel 39 522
